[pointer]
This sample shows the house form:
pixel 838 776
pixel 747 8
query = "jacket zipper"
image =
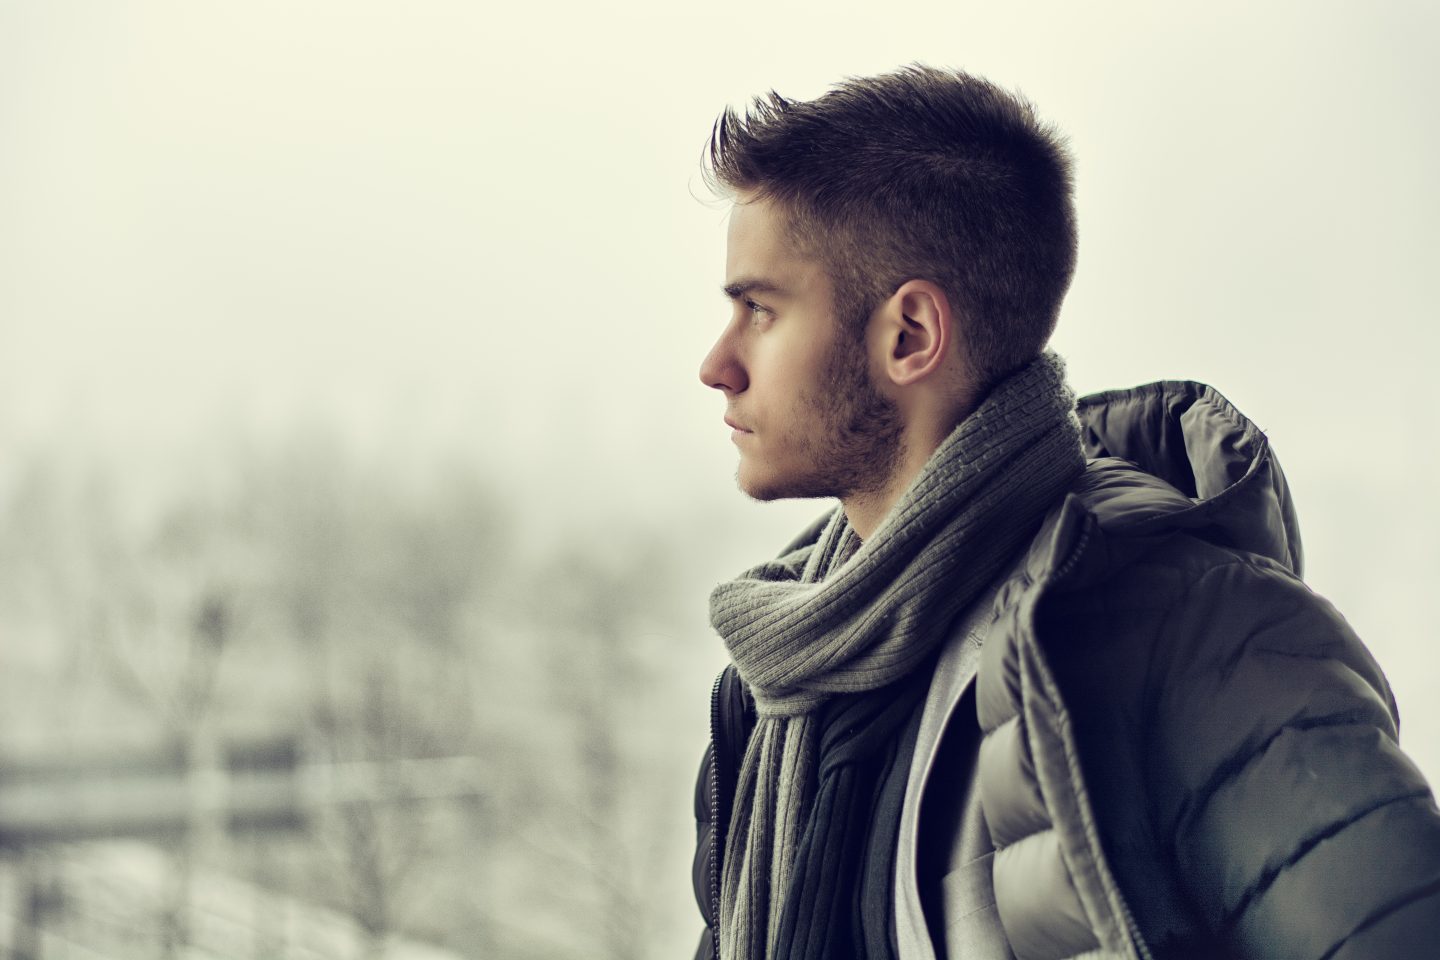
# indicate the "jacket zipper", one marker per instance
pixel 717 830
pixel 1132 927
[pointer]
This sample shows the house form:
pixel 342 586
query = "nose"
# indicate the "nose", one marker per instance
pixel 722 368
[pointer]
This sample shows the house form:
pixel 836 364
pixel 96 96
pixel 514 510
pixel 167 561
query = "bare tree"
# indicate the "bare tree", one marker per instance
pixel 606 827
pixel 382 591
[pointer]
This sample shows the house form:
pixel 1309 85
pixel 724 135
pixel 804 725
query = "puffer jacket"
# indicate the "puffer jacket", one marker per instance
pixel 1185 753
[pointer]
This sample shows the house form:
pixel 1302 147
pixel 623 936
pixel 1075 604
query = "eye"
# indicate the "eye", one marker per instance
pixel 757 311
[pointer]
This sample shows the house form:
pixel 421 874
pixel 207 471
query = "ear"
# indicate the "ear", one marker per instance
pixel 915 328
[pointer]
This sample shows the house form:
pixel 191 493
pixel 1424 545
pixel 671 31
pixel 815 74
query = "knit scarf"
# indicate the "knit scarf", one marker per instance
pixel 835 616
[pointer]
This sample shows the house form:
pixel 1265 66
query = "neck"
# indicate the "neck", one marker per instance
pixel 930 419
pixel 866 510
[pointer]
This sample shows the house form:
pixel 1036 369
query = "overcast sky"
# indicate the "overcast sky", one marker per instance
pixel 446 231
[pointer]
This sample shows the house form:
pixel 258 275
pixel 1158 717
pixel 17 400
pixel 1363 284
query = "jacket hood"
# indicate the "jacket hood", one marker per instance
pixel 1202 467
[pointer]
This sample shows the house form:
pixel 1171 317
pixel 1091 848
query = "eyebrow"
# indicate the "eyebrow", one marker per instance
pixel 740 288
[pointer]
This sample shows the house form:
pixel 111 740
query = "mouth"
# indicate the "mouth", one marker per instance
pixel 735 426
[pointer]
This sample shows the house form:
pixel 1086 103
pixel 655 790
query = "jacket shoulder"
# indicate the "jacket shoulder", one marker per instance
pixel 1214 690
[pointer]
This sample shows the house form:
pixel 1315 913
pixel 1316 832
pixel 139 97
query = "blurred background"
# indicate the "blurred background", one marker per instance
pixel 359 501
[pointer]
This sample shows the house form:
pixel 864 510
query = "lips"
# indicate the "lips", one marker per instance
pixel 735 426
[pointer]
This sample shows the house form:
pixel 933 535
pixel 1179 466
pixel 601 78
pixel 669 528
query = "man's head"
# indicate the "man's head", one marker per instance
pixel 921 177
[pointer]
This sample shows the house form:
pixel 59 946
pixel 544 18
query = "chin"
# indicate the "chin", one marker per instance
pixel 765 487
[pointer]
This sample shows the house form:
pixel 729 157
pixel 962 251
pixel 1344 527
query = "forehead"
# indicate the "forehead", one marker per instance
pixel 759 245
pixel 756 225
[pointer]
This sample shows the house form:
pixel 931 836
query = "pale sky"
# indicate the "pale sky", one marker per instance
pixel 443 229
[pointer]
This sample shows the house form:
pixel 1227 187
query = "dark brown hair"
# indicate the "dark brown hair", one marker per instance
pixel 918 174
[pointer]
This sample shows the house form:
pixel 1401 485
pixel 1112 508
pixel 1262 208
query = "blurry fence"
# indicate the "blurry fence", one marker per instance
pixel 60 898
pixel 97 901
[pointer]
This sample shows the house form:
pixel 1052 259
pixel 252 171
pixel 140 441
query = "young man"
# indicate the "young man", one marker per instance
pixel 1037 688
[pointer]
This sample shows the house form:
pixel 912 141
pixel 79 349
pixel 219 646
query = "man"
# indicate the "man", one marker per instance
pixel 1036 688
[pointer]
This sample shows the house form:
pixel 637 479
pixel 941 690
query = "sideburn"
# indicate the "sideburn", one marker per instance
pixel 863 427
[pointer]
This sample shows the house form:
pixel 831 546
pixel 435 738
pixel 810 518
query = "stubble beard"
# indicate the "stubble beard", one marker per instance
pixel 855 445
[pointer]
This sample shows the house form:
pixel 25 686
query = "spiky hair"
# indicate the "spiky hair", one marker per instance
pixel 920 173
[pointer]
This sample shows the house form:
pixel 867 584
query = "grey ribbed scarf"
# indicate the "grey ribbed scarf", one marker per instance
pixel 835 616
